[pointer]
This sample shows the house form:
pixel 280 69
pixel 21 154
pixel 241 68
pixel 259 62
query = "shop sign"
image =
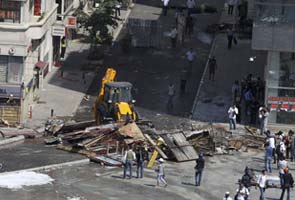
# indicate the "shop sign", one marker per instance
pixel 281 104
pixel 58 31
pixel 7 90
pixel 71 22
pixel 282 100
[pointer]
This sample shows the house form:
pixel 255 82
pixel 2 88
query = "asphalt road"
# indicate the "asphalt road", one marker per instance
pixel 150 70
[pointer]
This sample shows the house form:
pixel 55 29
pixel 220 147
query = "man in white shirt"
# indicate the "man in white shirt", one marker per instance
pixel 242 192
pixel 190 4
pixel 190 56
pixel 261 182
pixel 230 4
pixel 282 166
pixel 232 115
pixel 165 7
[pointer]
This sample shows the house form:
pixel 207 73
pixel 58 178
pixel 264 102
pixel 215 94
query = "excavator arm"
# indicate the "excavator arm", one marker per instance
pixel 108 77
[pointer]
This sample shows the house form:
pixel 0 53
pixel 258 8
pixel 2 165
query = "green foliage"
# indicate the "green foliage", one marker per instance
pixel 82 18
pixel 100 22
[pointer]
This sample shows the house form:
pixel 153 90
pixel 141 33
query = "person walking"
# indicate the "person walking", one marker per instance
pixel 63 47
pixel 190 56
pixel 230 38
pixel 246 179
pixel 171 94
pixel 236 91
pixel 230 4
pixel 212 64
pixel 283 164
pixel 272 144
pixel 279 154
pixel 183 80
pixel 189 25
pixel 261 182
pixel 190 4
pixel 227 196
pixel 232 115
pixel 283 148
pixel 165 7
pixel 248 96
pixel 141 156
pixel 268 158
pixel 242 192
pixel 200 165
pixel 287 145
pixel 129 157
pixel 161 173
pixel 264 113
pixel 288 182
pixel 118 8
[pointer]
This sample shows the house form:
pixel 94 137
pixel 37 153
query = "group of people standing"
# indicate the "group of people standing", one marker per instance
pixel 141 157
pixel 278 148
pixel 249 92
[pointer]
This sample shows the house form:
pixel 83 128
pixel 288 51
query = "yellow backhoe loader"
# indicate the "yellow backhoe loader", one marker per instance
pixel 114 102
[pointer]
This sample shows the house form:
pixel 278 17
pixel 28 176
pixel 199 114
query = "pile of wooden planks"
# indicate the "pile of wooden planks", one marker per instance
pixel 92 140
pixel 180 147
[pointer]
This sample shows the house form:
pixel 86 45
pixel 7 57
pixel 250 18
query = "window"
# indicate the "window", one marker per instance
pixel 10 11
pixel 37 7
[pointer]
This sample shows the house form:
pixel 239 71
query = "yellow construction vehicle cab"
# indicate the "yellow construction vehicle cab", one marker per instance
pixel 114 102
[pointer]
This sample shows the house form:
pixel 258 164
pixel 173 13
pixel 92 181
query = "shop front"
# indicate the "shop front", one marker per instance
pixel 280 90
pixel 10 103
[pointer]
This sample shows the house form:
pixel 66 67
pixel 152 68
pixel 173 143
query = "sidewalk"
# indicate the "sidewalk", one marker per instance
pixel 214 98
pixel 64 94
pixel 150 70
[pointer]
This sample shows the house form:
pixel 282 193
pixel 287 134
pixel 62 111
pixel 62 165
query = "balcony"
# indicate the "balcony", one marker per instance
pixel 274 25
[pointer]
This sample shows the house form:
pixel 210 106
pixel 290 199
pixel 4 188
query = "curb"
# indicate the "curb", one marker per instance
pixel 196 100
pixel 53 166
pixel 12 140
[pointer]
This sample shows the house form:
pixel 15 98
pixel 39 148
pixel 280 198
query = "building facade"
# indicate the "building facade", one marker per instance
pixel 27 49
pixel 274 32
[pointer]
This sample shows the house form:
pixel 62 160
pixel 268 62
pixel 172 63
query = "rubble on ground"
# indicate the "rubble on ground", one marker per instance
pixel 216 139
pixel 6 132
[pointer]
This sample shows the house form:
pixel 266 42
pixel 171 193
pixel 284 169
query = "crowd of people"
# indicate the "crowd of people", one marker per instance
pixel 249 94
pixel 279 148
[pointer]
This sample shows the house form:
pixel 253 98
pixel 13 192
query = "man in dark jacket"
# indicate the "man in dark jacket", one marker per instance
pixel 141 156
pixel 200 164
pixel 246 179
pixel 288 182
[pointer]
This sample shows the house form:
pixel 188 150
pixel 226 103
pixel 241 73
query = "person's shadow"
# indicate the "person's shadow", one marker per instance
pixel 187 183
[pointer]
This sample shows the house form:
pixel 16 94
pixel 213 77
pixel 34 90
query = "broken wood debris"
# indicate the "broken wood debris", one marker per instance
pixel 13 132
pixel 216 139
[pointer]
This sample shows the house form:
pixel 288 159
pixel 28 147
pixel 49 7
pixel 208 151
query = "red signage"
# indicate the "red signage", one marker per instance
pixel 71 22
pixel 281 99
pixel 281 103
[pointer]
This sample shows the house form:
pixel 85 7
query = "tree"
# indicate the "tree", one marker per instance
pixel 101 22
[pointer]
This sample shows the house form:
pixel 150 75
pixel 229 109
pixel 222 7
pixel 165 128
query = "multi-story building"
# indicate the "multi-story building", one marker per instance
pixel 27 40
pixel 274 32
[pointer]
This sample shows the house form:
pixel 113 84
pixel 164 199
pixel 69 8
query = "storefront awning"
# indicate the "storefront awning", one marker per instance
pixel 41 65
